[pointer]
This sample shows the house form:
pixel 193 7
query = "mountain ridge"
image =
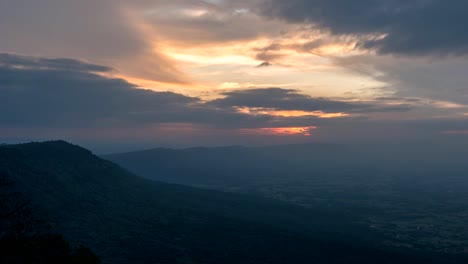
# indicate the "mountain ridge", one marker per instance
pixel 124 217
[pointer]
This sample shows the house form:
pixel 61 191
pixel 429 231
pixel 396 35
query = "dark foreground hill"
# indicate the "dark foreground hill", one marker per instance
pixel 127 219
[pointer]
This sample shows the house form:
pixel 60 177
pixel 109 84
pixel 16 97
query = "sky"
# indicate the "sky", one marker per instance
pixel 118 75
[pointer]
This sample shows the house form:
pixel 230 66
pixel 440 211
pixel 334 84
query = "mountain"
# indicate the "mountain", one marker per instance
pixel 125 218
pixel 227 166
pixel 411 195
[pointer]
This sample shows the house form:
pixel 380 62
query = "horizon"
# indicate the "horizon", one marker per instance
pixel 104 150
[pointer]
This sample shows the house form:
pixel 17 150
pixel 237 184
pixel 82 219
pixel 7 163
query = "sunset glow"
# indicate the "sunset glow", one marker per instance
pixel 289 113
pixel 281 131
pixel 232 69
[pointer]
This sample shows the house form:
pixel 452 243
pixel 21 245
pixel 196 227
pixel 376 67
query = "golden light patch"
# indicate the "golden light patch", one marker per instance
pixel 295 113
pixel 202 68
pixel 280 131
pixel 194 12
pixel 288 113
pixel 447 105
pixel 212 60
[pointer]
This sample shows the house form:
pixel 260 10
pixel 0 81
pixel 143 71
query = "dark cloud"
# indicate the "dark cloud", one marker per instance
pixel 268 53
pixel 68 93
pixel 264 64
pixel 288 99
pixel 268 56
pixel 398 99
pixel 310 46
pixel 432 79
pixel 417 27
pixel 26 62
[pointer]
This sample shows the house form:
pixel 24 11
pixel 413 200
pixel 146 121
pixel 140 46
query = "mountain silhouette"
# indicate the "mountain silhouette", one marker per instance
pixel 128 219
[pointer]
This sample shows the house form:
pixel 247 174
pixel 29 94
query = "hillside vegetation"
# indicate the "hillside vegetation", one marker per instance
pixel 125 218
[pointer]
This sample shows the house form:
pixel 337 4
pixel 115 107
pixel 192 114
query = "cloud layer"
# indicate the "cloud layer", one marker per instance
pixel 419 27
pixel 288 99
pixel 70 98
pixel 104 31
pixel 70 93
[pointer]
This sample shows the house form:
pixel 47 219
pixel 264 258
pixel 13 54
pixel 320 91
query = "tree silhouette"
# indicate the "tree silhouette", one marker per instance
pixel 26 238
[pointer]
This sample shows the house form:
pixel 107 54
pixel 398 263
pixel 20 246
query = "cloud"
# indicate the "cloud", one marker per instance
pixel 43 98
pixel 272 51
pixel 289 99
pixel 66 93
pixel 70 94
pixel 209 23
pixel 108 32
pixel 28 62
pixel 430 79
pixel 268 56
pixel 421 27
pixel 264 64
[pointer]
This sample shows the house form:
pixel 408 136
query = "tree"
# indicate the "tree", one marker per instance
pixel 25 238
pixel 17 220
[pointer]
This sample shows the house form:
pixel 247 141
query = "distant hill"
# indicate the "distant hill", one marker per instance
pixel 411 194
pixel 128 219
pixel 233 166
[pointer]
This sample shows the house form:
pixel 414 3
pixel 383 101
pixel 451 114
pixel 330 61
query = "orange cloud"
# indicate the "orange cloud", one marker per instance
pixel 288 113
pixel 280 131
